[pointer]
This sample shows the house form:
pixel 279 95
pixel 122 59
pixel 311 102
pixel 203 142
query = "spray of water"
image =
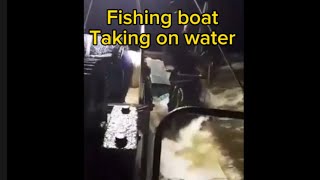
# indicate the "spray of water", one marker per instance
pixel 223 98
pixel 196 155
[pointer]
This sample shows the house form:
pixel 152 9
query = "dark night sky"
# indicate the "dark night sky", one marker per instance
pixel 230 18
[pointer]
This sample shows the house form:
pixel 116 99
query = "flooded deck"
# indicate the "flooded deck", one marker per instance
pixel 223 92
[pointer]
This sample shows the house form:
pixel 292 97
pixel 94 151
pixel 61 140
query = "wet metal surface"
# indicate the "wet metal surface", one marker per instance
pixel 121 128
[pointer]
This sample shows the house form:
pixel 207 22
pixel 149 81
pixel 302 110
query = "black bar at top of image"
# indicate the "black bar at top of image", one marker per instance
pixel 3 90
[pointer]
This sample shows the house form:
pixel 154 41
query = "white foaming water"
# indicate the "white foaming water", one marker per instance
pixel 160 110
pixel 231 99
pixel 196 156
pixel 176 159
pixel 225 93
pixel 174 165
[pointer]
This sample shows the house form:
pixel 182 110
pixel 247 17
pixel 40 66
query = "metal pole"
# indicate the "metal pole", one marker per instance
pixel 199 48
pixel 141 83
pixel 86 20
